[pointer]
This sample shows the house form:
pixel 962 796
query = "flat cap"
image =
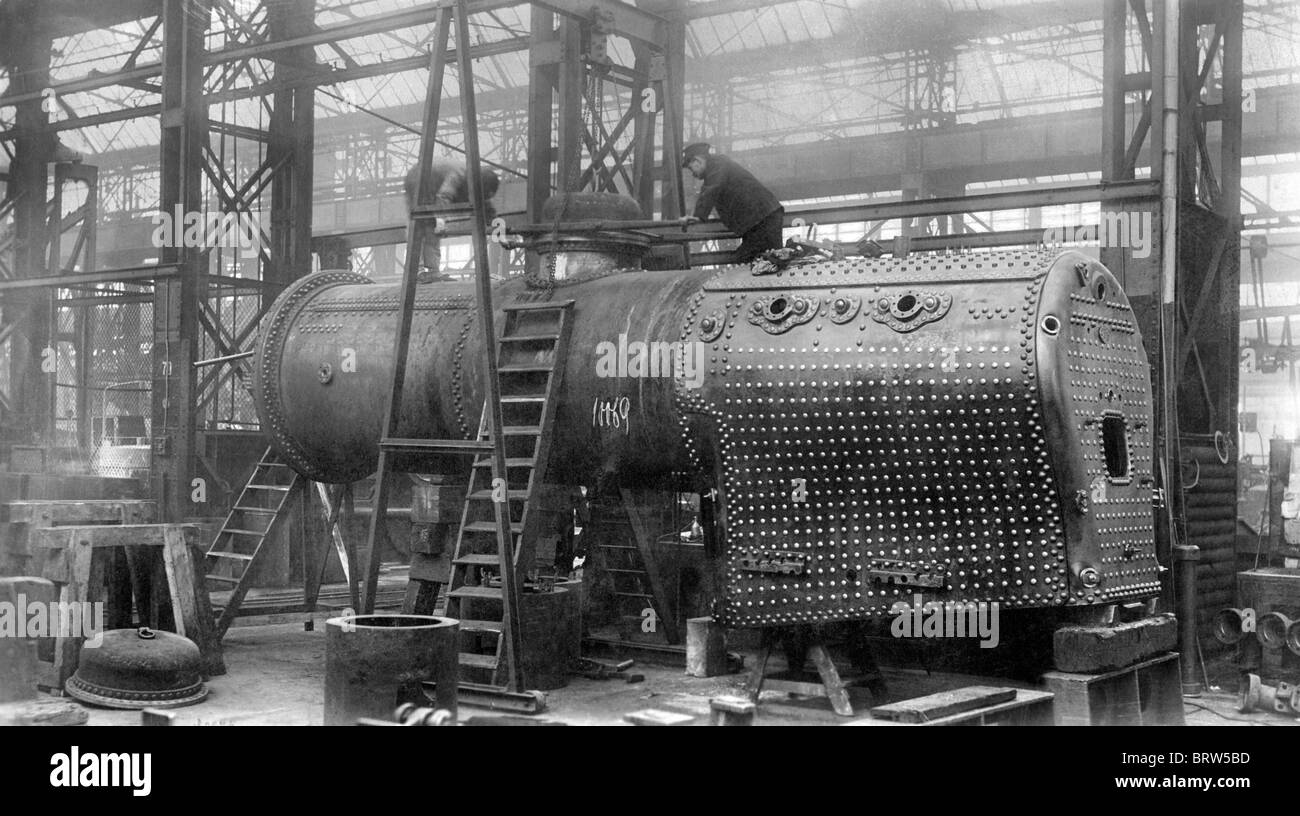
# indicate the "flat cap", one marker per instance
pixel 692 150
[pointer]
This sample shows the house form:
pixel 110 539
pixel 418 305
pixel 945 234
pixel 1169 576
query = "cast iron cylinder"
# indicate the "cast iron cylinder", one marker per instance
pixel 373 663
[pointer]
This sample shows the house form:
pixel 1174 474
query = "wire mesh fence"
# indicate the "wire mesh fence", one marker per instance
pixel 103 384
pixel 225 398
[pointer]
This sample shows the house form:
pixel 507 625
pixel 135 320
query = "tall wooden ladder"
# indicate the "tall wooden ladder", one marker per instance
pixel 256 517
pixel 392 445
pixel 530 363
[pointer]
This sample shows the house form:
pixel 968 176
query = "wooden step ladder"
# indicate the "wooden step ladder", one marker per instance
pixel 633 594
pixel 257 516
pixel 530 363
pixel 392 445
pixel 629 559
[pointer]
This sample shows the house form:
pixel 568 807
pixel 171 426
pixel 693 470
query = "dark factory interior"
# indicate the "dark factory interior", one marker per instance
pixel 654 363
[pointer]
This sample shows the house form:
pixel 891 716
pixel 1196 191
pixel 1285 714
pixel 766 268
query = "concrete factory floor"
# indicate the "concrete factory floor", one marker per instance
pixel 275 676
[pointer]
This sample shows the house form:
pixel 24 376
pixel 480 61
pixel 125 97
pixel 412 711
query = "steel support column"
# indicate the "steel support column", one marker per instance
pixel 27 315
pixel 570 148
pixel 176 299
pixel 292 135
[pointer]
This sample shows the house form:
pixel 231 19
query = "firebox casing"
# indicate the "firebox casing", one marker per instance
pixel 934 425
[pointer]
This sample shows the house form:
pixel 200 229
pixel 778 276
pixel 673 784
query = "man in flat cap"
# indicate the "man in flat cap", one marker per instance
pixel 745 206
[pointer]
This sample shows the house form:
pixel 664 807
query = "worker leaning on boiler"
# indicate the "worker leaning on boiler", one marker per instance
pixel 744 205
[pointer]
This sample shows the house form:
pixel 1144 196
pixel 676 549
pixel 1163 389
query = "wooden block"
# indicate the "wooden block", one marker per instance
pixel 17 655
pixel 706 648
pixel 43 712
pixel 731 711
pixel 1148 693
pixel 1089 649
pixel 733 705
pixel 943 704
pixel 654 716
pixel 1029 708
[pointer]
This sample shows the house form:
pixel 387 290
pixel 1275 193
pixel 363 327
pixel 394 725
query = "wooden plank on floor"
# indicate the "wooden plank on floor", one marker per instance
pixel 943 704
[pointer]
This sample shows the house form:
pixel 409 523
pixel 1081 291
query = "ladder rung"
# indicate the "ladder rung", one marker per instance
pixel 633 572
pixel 526 398
pixel 524 367
pixel 530 338
pixel 440 445
pixel 263 510
pixel 435 209
pixel 490 527
pixel 479 559
pixel 496 627
pixel 280 488
pixel 479 592
pixel 521 430
pixel 223 579
pixel 634 595
pixel 510 463
pixel 478 661
pixel 234 555
pixel 481 495
pixel 617 547
pixel 237 531
pixel 272 464
pixel 538 306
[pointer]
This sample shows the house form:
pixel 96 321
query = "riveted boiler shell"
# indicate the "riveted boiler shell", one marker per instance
pixel 325 364
pixel 970 428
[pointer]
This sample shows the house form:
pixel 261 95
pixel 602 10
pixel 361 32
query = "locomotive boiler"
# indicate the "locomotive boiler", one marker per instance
pixel 968 427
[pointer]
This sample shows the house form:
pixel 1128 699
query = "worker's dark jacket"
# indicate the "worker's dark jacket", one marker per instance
pixel 447 183
pixel 741 200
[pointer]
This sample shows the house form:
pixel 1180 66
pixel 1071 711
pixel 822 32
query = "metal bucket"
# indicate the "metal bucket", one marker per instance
pixel 373 663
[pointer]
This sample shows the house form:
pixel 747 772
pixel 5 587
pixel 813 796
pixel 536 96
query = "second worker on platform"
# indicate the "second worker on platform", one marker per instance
pixel 745 206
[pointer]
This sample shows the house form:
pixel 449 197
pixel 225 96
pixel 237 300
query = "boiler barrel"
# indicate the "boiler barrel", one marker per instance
pixel 324 366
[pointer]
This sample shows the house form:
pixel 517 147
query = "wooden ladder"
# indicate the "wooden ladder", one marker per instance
pixel 530 362
pixel 633 594
pixel 392 445
pixel 636 583
pixel 257 515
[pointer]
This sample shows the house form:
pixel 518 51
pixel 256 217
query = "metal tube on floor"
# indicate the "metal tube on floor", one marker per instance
pixel 1185 559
